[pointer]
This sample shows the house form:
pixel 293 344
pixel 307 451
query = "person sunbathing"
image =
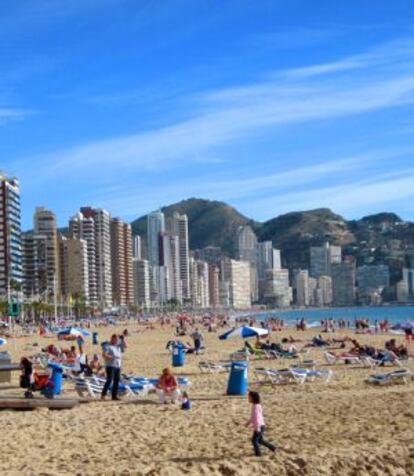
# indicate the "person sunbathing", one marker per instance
pixel 399 350
pixel 167 386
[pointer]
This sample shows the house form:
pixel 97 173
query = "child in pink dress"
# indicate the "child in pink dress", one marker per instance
pixel 258 424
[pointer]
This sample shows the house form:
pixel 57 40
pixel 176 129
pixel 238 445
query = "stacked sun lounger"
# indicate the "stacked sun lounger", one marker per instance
pixel 397 376
pixel 292 375
pixel 213 367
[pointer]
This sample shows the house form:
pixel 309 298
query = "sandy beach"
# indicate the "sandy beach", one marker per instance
pixel 345 427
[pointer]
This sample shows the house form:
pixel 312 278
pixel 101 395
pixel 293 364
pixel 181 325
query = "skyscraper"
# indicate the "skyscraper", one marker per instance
pixel 121 263
pixel 214 285
pixel 302 288
pixel 82 227
pixel 343 284
pixel 155 226
pixel 94 226
pixel 137 247
pixel 142 282
pixel 44 224
pixel 168 264
pixel 278 292
pixel 322 258
pixel 180 229
pixel 34 265
pixel 246 250
pixel 11 272
pixel 267 258
pixel 237 276
pixel 74 270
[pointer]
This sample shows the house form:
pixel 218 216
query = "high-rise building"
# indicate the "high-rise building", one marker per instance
pixel 44 224
pixel 237 276
pixel 402 291
pixel 214 285
pixel 408 278
pixel 82 227
pixel 121 264
pixel 211 254
pixel 246 250
pixel 94 226
pixel 34 265
pixel 11 270
pixel 302 288
pixel 169 260
pixel 74 273
pixel 267 258
pixel 322 258
pixel 278 291
pixel 180 229
pixel 142 282
pixel 155 226
pixel 137 247
pixel 372 279
pixel 324 291
pixel 343 284
pixel 246 244
pixel 203 284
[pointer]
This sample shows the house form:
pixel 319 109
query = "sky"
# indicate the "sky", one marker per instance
pixel 271 106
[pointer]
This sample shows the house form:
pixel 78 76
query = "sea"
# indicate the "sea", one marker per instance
pixel 394 314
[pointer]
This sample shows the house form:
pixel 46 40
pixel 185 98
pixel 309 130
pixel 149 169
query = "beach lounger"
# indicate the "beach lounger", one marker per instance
pixel 333 359
pixel 93 386
pixel 305 364
pixel 313 374
pixel 401 375
pixel 388 358
pixel 280 376
pixel 213 367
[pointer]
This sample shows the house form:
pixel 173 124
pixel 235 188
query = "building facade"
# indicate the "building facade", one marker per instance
pixel 11 259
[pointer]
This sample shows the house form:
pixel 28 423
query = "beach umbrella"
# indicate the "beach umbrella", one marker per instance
pixel 3 341
pixel 403 326
pixel 244 332
pixel 183 318
pixel 74 331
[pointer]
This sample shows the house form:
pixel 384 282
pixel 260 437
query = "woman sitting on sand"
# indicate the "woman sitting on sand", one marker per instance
pixel 167 386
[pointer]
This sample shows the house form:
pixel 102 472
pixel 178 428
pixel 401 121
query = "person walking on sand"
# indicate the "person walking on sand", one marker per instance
pixel 112 355
pixel 257 422
pixel 198 340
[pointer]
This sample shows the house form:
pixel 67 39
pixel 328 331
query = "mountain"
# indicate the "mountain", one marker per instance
pixel 210 223
pixel 295 232
pixel 383 238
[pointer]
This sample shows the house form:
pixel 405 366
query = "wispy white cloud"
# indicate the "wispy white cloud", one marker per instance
pixel 349 198
pixel 232 115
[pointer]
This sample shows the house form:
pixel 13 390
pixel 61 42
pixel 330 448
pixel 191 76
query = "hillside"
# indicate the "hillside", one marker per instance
pixel 381 238
pixel 295 232
pixel 210 222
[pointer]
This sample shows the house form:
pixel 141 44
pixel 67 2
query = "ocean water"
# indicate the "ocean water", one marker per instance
pixel 394 314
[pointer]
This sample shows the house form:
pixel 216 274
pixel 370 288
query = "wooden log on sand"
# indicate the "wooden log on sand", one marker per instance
pixel 21 403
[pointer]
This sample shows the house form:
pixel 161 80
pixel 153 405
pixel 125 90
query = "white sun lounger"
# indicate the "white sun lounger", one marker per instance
pixel 401 375
pixel 213 367
pixel 333 359
pixel 279 376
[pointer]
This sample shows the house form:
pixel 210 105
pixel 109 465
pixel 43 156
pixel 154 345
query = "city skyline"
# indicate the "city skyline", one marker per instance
pixel 128 108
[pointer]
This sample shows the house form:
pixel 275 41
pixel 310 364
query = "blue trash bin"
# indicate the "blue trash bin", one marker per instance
pixel 178 355
pixel 57 377
pixel 94 338
pixel 237 384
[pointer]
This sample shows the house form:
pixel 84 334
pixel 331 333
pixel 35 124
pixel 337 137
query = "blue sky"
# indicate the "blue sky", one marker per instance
pixel 271 106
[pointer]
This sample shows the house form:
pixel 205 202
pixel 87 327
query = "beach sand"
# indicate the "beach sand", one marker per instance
pixel 345 427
